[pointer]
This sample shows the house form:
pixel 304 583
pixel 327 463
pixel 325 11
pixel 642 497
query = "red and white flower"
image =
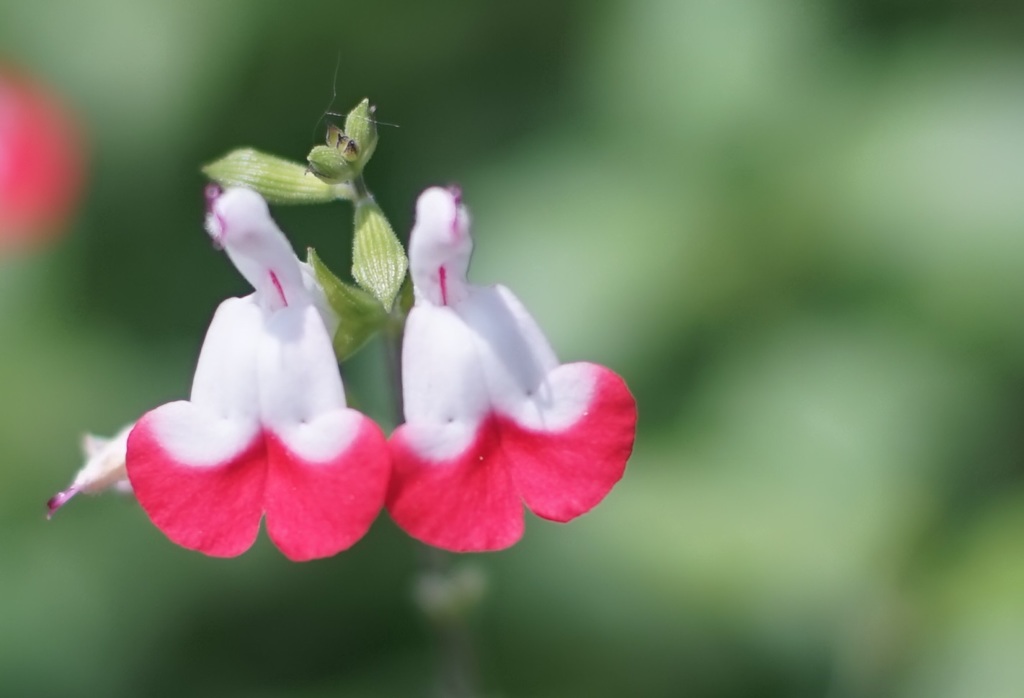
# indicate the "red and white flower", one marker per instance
pixel 492 419
pixel 266 431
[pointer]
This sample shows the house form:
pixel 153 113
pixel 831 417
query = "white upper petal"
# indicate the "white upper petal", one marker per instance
pixel 240 222
pixel 440 247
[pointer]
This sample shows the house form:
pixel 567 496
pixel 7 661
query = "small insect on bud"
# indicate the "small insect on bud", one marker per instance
pixel 349 150
pixel 346 147
pixel 335 136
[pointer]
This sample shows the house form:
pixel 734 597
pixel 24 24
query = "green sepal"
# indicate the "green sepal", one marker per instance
pixel 279 181
pixel 360 316
pixel 378 259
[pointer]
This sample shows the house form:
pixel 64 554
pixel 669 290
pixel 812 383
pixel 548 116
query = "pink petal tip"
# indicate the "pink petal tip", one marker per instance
pixel 58 500
pixel 211 193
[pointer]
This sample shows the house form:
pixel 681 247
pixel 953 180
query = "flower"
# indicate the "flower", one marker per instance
pixel 103 469
pixel 40 162
pixel 266 430
pixel 492 419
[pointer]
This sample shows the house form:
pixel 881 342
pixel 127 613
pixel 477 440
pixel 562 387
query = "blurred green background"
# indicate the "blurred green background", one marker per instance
pixel 795 227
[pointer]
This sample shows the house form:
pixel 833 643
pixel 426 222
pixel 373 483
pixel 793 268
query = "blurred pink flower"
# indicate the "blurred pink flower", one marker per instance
pixel 41 162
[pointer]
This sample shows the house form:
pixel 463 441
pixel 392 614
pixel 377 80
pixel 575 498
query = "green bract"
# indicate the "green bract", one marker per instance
pixel 378 259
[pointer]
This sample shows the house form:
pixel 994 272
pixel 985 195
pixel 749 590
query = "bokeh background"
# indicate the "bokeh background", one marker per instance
pixel 795 227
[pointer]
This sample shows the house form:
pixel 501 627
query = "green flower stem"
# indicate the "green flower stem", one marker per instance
pixel 359 191
pixel 346 192
pixel 446 596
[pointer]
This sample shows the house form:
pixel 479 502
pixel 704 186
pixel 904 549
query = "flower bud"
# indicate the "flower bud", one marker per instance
pixel 332 164
pixel 362 131
pixel 347 151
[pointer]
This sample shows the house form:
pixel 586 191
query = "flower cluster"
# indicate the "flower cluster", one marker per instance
pixel 492 420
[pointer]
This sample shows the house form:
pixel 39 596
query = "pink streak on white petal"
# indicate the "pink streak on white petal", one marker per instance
pixel 277 285
pixel 318 509
pixel 439 238
pixel 241 222
pixel 442 277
